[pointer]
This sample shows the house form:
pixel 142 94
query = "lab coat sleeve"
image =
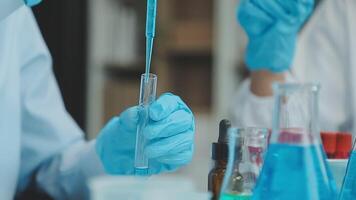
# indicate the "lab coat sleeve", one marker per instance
pixel 54 155
pixel 248 109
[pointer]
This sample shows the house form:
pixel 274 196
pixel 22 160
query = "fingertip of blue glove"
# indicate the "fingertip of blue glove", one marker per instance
pixel 129 118
pixel 164 106
pixel 130 113
pixel 156 111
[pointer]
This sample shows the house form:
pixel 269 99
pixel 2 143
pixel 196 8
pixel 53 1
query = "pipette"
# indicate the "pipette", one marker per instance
pixel 150 31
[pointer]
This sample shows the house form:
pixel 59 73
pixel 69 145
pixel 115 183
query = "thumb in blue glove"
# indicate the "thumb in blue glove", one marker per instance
pixel 272 27
pixel 170 132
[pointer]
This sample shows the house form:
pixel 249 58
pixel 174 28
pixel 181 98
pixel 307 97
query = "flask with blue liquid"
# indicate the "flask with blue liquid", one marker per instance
pixel 295 165
pixel 348 190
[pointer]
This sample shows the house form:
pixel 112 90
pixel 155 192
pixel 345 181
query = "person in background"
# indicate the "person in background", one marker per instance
pixel 41 145
pixel 324 52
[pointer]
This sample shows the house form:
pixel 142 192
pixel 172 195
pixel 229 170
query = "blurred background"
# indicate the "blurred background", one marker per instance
pixel 98 47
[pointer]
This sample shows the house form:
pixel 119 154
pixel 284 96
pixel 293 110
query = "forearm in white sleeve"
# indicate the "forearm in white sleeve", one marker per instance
pixel 248 109
pixel 55 158
pixel 7 7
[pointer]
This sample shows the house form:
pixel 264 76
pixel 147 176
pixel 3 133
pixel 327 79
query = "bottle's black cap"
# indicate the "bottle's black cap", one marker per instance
pixel 223 128
pixel 220 149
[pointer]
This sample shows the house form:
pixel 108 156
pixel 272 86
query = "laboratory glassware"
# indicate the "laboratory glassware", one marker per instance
pixel 348 190
pixel 147 97
pixel 219 156
pixel 233 180
pixel 255 146
pixel 246 149
pixel 295 164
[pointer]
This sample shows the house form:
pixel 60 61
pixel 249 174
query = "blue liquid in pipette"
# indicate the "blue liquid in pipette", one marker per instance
pixel 348 191
pixel 292 172
pixel 150 31
pixel 149 47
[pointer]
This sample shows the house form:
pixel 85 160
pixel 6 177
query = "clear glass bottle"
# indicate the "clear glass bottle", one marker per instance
pixel 295 165
pixel 246 152
pixel 233 180
pixel 254 149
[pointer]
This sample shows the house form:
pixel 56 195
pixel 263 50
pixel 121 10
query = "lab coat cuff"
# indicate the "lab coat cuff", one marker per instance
pixel 263 101
pixel 92 165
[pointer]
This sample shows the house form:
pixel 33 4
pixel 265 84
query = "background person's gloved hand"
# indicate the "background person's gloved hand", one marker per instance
pixel 170 132
pixel 272 27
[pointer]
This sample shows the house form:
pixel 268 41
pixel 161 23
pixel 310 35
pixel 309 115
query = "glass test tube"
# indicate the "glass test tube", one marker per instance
pixel 147 97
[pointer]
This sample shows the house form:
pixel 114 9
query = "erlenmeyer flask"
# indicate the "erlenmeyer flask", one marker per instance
pixel 348 190
pixel 246 152
pixel 295 165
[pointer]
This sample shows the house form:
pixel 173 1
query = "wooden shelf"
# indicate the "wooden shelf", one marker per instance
pixel 129 3
pixel 191 36
pixel 185 50
pixel 126 71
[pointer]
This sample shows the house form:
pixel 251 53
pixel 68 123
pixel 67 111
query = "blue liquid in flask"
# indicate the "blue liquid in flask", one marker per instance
pixel 348 191
pixel 295 172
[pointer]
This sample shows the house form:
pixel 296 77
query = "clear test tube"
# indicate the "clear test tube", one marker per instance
pixel 147 97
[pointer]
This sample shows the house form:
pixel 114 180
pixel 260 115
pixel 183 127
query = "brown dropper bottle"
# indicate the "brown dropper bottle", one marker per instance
pixel 220 151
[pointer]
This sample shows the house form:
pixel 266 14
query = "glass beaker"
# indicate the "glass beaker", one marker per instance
pixel 348 190
pixel 295 164
pixel 246 150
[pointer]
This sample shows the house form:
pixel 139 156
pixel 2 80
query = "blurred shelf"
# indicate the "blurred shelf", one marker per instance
pixel 192 10
pixel 189 54
pixel 191 36
pixel 129 3
pixel 125 70
pixel 186 51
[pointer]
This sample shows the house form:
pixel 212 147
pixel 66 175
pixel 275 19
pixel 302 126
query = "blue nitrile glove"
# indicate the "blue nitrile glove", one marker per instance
pixel 32 2
pixel 272 27
pixel 170 132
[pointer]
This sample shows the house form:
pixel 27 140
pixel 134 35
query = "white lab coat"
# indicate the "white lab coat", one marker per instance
pixel 326 53
pixel 40 144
